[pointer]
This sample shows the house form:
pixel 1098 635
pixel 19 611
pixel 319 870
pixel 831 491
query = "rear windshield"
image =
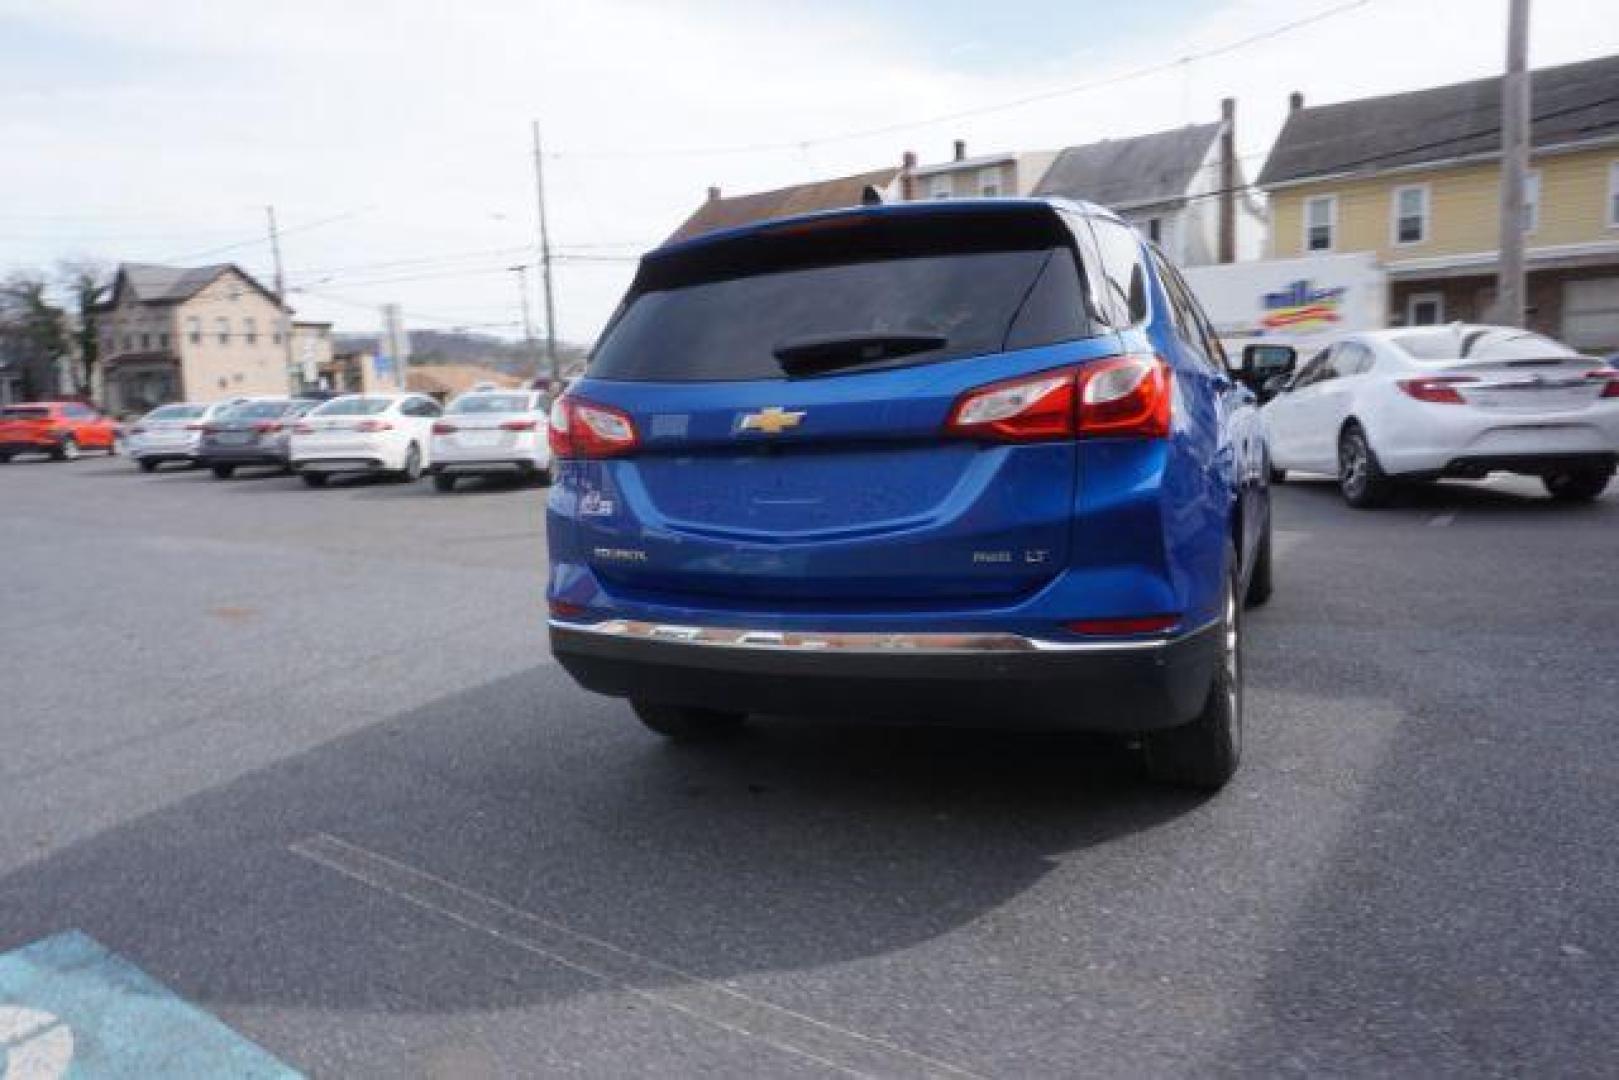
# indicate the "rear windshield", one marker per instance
pixel 258 410
pixel 23 413
pixel 722 311
pixel 355 406
pixel 176 412
pixel 1481 343
pixel 489 403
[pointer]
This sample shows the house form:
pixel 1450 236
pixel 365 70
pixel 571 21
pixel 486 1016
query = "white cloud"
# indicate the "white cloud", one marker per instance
pixel 164 128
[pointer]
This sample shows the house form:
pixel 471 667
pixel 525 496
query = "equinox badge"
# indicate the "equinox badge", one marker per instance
pixel 771 421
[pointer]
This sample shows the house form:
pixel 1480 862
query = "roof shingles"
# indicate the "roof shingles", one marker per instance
pixel 834 194
pixel 1141 171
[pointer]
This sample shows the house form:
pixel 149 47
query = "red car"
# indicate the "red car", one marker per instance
pixel 62 429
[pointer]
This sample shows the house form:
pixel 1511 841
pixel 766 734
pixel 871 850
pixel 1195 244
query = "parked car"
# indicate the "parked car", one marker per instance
pixel 973 460
pixel 492 433
pixel 60 429
pixel 365 433
pixel 171 433
pixel 1415 404
pixel 256 432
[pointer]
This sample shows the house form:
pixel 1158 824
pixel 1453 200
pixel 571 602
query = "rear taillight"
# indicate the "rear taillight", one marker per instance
pixel 583 429
pixel 562 609
pixel 369 426
pixel 266 427
pixel 206 429
pixel 1126 396
pixel 518 425
pixel 1609 380
pixel 303 429
pixel 443 428
pixel 1437 389
pixel 137 430
pixel 1140 624
pixel 1018 410
pixel 1119 396
pixel 196 427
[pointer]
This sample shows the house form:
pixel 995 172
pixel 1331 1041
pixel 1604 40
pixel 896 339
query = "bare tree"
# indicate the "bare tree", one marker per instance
pixel 83 280
pixel 33 332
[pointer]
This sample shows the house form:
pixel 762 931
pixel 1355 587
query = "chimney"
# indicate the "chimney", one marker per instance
pixel 1228 180
pixel 907 166
pixel 713 194
pixel 961 149
pixel 1295 101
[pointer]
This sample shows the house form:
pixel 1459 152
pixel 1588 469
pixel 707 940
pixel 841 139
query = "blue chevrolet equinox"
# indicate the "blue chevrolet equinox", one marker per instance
pixel 972 461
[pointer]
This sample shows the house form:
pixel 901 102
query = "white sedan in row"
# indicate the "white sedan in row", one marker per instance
pixel 1447 401
pixel 390 434
pixel 492 433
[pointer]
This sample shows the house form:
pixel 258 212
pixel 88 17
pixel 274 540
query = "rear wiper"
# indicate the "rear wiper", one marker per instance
pixel 827 352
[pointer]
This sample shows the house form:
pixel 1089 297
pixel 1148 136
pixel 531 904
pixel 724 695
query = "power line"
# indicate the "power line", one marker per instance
pixel 984 110
pixel 256 241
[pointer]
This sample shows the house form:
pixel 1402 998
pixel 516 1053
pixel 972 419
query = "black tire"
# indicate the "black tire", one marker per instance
pixel 1260 582
pixel 5 459
pixel 444 483
pixel 687 724
pixel 1277 476
pixel 1577 485
pixel 315 479
pixel 1204 754
pixel 224 472
pixel 1361 479
pixel 145 465
pixel 412 471
pixel 66 450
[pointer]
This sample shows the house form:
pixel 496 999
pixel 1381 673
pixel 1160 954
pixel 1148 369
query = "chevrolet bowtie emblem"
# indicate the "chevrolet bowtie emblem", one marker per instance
pixel 770 421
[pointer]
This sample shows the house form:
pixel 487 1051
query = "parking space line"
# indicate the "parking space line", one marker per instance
pixel 1441 520
pixel 838 1048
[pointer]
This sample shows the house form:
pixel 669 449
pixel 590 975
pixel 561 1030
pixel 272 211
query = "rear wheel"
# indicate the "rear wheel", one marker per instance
pixel 412 471
pixel 1277 476
pixel 444 483
pixel 68 450
pixel 1260 584
pixel 685 723
pixel 315 479
pixel 1577 485
pixel 1364 484
pixel 4 458
pixel 1204 753
pixel 224 472
pixel 145 465
pixel 541 477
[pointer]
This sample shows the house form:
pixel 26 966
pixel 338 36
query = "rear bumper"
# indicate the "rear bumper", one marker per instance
pixel 1478 466
pixel 30 446
pixel 977 680
pixel 339 465
pixel 470 467
pixel 241 455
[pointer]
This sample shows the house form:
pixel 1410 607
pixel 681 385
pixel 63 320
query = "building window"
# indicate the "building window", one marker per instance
pixel 1613 195
pixel 250 331
pixel 222 324
pixel 1531 201
pixel 129 342
pixel 989 182
pixel 146 341
pixel 163 341
pixel 1320 222
pixel 194 329
pixel 1425 309
pixel 939 187
pixel 1411 214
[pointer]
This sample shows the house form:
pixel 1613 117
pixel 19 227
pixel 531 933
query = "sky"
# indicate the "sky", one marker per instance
pixel 393 139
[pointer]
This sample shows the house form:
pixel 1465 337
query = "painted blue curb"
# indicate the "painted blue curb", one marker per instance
pixel 70 1008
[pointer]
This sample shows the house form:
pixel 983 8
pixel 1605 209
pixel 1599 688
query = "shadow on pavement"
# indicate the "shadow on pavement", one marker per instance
pixel 794 846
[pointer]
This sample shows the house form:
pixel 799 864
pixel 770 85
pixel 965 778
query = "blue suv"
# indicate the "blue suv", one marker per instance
pixel 975 460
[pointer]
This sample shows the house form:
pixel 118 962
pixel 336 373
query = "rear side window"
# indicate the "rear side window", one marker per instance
pixel 1123 275
pixel 946 287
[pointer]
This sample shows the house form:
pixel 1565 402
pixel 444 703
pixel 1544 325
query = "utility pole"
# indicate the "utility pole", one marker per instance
pixel 1510 281
pixel 545 263
pixel 293 381
pixel 521 270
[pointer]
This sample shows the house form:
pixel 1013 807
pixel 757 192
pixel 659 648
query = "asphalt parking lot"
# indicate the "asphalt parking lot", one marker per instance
pixel 301 757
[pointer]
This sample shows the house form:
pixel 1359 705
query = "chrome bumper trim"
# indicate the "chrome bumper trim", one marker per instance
pixel 726 637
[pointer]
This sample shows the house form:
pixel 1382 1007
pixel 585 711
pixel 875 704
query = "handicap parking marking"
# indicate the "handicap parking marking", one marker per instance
pixel 71 1008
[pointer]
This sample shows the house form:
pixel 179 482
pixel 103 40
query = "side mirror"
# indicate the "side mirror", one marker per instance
pixel 1261 364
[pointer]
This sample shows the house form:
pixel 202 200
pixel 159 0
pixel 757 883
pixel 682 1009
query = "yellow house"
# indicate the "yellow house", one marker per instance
pixel 1415 178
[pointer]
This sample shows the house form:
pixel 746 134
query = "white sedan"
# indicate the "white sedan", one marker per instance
pixel 1447 401
pixel 172 432
pixel 492 433
pixel 390 434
